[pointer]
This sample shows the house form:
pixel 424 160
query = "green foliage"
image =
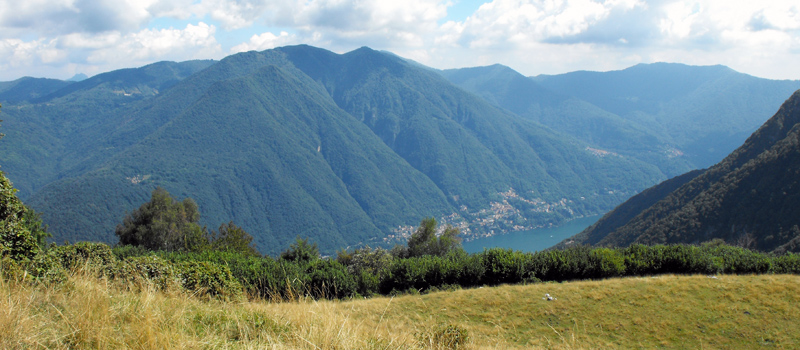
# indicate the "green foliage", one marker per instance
pixel 749 199
pixel 505 266
pixel 424 240
pixel 372 261
pixel 301 251
pixel 151 270
pixel 233 238
pixel 209 279
pixel 166 224
pixel 21 233
pixel 163 224
pixel 366 271
pixel 83 255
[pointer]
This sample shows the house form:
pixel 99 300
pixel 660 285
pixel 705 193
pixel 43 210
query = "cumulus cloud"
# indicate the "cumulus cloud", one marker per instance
pixel 553 35
pixel 53 17
pixel 95 53
pixel 265 41
pixel 194 41
pixel 533 36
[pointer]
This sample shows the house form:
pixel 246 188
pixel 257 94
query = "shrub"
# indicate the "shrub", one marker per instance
pixel 96 256
pixel 301 251
pixel 158 272
pixel 330 279
pixel 20 233
pixel 209 279
pixel 505 266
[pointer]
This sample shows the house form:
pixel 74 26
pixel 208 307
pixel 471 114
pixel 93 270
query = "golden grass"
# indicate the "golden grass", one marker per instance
pixel 663 312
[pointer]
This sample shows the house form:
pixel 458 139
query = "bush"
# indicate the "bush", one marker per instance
pixel 330 279
pixel 209 279
pixel 505 266
pixel 96 256
pixel 20 234
pixel 786 263
pixel 151 270
pixel 301 251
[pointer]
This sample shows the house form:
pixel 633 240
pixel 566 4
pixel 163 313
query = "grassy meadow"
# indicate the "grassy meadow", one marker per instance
pixel 667 311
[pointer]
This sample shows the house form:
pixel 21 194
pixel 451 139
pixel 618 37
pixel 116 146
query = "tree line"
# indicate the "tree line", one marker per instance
pixel 162 245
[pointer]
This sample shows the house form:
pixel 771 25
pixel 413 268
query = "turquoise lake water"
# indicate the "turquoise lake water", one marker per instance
pixel 533 240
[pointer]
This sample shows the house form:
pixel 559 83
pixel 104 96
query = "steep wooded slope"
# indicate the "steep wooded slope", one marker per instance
pixel 345 149
pixel 751 198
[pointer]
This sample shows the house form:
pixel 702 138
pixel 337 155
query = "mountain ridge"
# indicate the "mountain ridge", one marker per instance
pixel 748 199
pixel 348 149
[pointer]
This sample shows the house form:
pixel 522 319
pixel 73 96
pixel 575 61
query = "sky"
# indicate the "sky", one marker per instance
pixel 60 38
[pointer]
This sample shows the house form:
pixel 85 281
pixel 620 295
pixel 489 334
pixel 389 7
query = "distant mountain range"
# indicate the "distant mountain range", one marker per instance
pixel 751 198
pixel 354 148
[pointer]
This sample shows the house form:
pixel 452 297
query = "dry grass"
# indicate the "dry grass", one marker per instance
pixel 668 312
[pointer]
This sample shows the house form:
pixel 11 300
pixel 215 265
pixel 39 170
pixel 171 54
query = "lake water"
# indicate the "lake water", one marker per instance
pixel 533 240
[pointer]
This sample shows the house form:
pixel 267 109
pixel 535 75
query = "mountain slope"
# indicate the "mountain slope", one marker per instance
pixel 345 149
pixel 459 141
pixel 282 155
pixel 604 130
pixel 26 89
pixel 703 111
pixel 750 198
pixel 66 132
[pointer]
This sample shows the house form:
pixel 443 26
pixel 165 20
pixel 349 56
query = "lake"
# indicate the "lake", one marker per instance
pixel 532 240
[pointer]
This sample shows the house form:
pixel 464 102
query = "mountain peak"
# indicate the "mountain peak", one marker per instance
pixel 78 77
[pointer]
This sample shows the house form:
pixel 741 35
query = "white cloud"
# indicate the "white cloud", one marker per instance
pixel 265 41
pixel 533 36
pixel 95 53
pixel 58 17
pixel 194 41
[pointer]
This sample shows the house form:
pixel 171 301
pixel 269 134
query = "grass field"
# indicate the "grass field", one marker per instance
pixel 697 312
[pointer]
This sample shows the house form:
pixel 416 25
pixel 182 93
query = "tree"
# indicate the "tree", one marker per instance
pixel 301 251
pixel 233 238
pixel 424 240
pixel 164 224
pixel 21 231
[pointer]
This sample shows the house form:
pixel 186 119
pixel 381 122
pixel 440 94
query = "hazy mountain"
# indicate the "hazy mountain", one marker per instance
pixel 704 112
pixel 345 149
pixel 571 115
pixel 78 77
pixel 751 198
pixel 26 89
pixel 674 116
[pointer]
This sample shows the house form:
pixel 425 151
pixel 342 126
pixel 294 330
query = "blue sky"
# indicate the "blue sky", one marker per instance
pixel 59 38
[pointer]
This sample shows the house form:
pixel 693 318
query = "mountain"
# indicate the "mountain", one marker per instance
pixel 674 116
pixel 603 130
pixel 704 112
pixel 65 131
pixel 78 77
pixel 26 89
pixel 750 198
pixel 345 149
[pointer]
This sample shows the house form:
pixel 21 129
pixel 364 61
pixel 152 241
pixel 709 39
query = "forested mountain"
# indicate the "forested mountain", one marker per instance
pixel 675 116
pixel 606 131
pixel 751 198
pixel 346 149
pixel 26 89
pixel 705 112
